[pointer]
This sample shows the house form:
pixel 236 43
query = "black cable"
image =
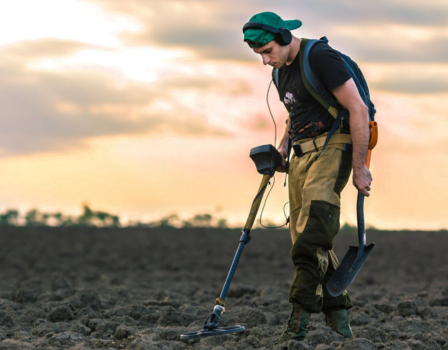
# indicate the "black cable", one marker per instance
pixel 273 183
pixel 262 209
pixel 270 112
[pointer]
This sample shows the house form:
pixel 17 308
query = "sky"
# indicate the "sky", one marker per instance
pixel 150 108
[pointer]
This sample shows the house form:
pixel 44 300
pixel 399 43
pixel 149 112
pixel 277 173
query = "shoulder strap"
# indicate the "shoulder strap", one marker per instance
pixel 310 80
pixel 275 77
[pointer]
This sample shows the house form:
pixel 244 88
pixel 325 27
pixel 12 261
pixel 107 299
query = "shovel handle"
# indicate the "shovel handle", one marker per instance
pixel 360 203
pixel 361 224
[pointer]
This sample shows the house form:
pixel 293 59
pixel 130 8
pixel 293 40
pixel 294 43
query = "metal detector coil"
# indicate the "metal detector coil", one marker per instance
pixel 210 333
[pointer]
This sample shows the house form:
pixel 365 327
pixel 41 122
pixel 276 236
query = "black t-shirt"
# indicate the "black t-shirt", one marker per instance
pixel 308 117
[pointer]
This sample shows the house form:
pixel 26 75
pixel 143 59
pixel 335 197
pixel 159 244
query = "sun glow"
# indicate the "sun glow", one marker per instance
pixel 68 20
pixel 138 64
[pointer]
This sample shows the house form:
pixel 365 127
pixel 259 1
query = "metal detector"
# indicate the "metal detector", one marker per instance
pixel 355 258
pixel 267 159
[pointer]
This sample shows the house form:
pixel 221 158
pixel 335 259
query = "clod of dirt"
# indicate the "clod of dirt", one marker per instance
pixel 86 298
pixel 359 319
pixel 386 308
pixel 45 328
pixel 297 345
pixel 240 291
pixel 324 347
pixel 407 308
pixel 172 317
pixel 60 313
pixel 24 296
pixel 59 282
pixel 11 344
pixel 322 335
pixel 250 317
pixel 123 332
pixel 373 332
pixel 357 344
pixel 5 319
pixel 65 339
pixel 438 301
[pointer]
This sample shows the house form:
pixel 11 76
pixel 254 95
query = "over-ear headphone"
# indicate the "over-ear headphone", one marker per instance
pixel 283 36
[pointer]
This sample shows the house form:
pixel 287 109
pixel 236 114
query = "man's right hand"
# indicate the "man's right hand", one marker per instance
pixel 284 153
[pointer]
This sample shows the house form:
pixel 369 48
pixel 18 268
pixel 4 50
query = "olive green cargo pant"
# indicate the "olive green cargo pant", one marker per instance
pixel 314 195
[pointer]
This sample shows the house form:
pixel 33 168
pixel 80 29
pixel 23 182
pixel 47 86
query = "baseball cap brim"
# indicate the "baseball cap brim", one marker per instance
pixel 293 24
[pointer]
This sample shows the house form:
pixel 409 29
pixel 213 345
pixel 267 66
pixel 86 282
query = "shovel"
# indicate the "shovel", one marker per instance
pixel 355 258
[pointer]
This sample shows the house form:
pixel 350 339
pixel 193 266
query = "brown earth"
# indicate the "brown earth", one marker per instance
pixel 131 288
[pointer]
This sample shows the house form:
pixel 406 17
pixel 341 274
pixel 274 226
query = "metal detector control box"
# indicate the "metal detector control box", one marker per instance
pixel 266 158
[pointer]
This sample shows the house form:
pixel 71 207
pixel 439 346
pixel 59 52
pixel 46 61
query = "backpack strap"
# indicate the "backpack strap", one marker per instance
pixel 310 80
pixel 275 77
pixel 317 89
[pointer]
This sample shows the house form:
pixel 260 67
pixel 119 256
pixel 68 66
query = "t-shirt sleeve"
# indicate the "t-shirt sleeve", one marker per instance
pixel 328 66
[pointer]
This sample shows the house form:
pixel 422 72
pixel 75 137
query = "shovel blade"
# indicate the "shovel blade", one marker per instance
pixel 348 269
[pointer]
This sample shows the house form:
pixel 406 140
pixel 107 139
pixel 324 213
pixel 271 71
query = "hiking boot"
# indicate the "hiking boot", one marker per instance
pixel 337 320
pixel 296 327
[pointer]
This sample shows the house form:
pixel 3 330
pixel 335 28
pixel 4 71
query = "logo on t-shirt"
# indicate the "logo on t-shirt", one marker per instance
pixel 289 99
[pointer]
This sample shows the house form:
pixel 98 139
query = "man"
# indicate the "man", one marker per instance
pixel 315 185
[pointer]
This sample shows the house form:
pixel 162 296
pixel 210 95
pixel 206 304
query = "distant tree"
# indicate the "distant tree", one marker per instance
pixel 202 220
pixel 115 220
pixel 60 219
pixel 107 219
pixel 348 228
pixel 168 221
pixel 86 217
pixel 186 224
pixel 9 218
pixel 90 217
pixel 222 223
pixel 34 217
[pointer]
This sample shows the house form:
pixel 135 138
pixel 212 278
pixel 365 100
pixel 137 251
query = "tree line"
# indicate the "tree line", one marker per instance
pixel 90 217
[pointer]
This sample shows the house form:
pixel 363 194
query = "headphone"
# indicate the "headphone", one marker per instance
pixel 283 36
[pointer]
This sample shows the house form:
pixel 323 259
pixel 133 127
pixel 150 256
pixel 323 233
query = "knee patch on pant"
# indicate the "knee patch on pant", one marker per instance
pixel 320 229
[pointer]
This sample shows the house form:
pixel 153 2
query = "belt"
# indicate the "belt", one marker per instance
pixel 317 143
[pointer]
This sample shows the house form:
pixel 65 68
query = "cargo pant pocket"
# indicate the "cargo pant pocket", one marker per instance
pixel 344 170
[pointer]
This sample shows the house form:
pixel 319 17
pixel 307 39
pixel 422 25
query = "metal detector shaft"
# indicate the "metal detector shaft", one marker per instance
pixel 267 159
pixel 245 237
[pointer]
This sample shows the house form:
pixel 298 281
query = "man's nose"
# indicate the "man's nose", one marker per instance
pixel 265 59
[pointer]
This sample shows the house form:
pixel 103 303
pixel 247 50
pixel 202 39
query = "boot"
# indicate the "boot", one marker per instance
pixel 337 320
pixel 296 327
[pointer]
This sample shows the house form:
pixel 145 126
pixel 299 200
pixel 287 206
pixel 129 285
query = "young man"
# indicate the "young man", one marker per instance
pixel 314 185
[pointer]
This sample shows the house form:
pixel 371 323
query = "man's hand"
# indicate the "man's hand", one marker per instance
pixel 284 152
pixel 348 96
pixel 362 180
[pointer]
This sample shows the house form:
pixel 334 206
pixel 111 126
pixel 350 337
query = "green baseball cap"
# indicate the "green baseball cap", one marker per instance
pixel 258 37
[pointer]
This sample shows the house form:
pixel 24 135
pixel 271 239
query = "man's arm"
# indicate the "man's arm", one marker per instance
pixel 348 96
pixel 283 147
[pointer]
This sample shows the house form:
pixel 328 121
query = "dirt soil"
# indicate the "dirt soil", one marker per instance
pixel 83 288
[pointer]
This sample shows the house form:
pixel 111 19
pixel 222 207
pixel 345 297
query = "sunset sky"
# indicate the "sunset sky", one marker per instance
pixel 146 108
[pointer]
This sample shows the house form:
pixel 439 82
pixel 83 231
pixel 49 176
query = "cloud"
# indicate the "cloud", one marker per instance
pixel 36 49
pixel 212 29
pixel 58 111
pixel 412 85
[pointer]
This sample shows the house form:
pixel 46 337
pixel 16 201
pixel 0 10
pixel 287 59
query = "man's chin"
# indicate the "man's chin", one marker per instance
pixel 278 65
